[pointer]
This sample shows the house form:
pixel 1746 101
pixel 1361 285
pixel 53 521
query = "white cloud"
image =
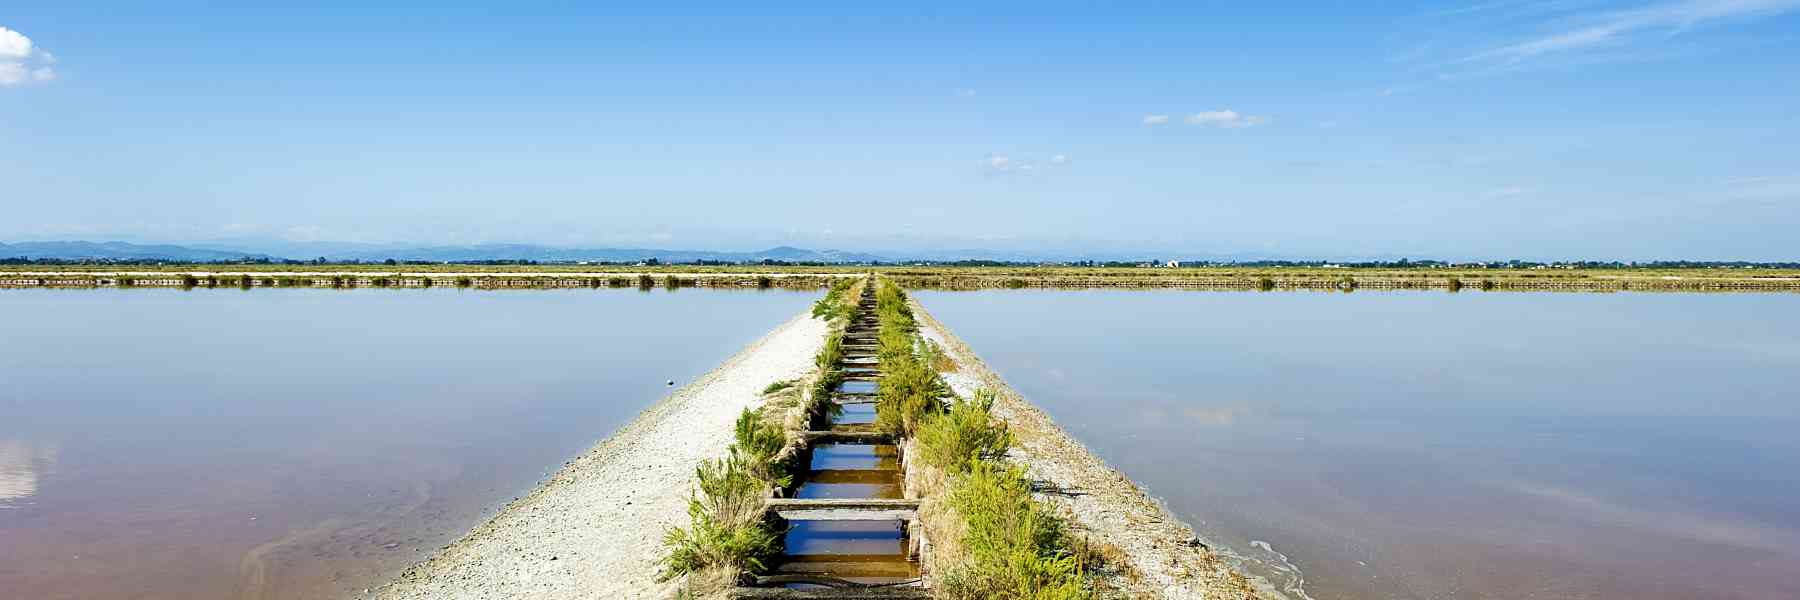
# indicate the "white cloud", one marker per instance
pixel 1155 119
pixel 14 45
pixel 1001 164
pixel 12 73
pixel 1228 119
pixel 21 62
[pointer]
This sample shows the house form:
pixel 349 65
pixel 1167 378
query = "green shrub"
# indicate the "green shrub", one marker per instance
pixel 463 282
pixel 836 304
pixel 1265 284
pixel 965 434
pixel 726 528
pixel 757 444
pixel 1016 549
pixel 778 386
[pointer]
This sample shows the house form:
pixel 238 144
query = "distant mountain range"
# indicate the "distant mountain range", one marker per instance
pixel 119 251
pixel 123 251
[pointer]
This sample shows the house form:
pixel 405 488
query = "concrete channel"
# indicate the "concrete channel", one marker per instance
pixel 849 525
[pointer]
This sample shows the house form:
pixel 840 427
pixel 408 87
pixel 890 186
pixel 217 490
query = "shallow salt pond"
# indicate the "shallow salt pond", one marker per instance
pixel 309 443
pixel 1423 445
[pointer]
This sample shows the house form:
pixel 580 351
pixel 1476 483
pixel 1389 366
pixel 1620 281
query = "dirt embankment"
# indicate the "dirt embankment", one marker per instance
pixel 1164 558
pixel 594 529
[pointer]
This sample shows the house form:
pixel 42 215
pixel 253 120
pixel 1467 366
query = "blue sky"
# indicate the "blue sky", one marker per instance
pixel 1489 129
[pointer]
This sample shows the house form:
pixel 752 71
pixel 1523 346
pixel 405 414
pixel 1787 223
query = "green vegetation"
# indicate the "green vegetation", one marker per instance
pixel 966 434
pixel 837 303
pixel 992 540
pixel 1013 547
pixel 778 386
pixel 910 388
pixel 726 534
pixel 757 444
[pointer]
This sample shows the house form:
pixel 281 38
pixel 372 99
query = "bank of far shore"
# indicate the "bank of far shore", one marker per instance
pixel 594 528
pixel 1164 558
pixel 1216 278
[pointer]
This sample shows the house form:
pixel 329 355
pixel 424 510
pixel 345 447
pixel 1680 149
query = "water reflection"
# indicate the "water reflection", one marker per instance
pixel 297 443
pixel 1428 445
pixel 20 464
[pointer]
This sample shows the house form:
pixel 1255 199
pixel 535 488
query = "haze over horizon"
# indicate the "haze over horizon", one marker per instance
pixel 1537 130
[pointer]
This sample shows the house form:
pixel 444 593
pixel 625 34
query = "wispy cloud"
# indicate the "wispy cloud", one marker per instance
pixel 21 61
pixel 1156 119
pixel 1511 191
pixel 1618 28
pixel 1228 119
pixel 1772 187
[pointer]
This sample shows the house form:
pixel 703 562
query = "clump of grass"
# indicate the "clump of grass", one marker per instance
pixel 1013 547
pixel 837 303
pixel 646 282
pixel 1487 285
pixel 965 434
pixel 764 282
pixel 1014 283
pixel 910 388
pixel 726 530
pixel 127 282
pixel 757 444
pixel 463 282
pixel 1456 285
pixel 188 281
pixel 778 386
pixel 425 282
pixel 1265 284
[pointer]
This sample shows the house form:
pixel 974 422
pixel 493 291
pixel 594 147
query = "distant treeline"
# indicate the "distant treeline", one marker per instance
pixel 1394 264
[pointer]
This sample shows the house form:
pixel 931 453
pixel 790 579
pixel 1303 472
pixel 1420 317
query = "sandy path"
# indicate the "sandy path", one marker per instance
pixel 594 529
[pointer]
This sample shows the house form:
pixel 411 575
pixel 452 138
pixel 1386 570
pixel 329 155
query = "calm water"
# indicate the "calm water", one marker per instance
pixel 1433 445
pixel 308 443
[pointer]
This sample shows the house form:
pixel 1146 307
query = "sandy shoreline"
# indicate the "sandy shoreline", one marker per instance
pixel 594 529
pixel 1166 557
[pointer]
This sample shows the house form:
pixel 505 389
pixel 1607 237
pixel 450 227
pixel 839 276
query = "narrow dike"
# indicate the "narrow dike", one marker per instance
pixel 846 518
pixel 872 478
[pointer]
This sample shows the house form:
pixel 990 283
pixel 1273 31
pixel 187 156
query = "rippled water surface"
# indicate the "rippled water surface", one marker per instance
pixel 1434 445
pixel 307 443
